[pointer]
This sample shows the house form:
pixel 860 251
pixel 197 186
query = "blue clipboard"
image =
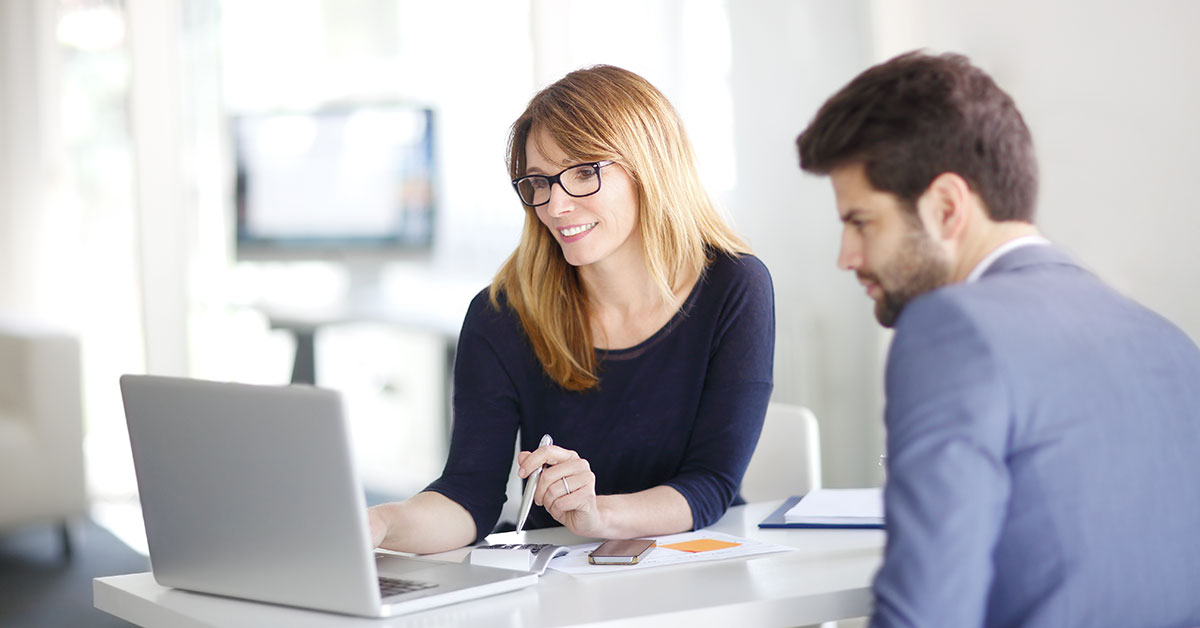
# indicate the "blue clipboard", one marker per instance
pixel 776 520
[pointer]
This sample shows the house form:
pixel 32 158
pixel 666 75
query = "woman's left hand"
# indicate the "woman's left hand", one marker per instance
pixel 567 488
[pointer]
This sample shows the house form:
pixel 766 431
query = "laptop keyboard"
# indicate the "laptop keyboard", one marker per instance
pixel 396 586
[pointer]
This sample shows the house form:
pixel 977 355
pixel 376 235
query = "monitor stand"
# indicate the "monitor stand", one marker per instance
pixel 364 287
pixel 362 299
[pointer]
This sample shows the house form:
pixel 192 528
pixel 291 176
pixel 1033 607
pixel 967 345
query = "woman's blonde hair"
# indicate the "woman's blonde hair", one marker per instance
pixel 607 113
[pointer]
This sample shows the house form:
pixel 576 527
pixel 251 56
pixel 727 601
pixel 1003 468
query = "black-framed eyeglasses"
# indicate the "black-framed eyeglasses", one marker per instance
pixel 578 181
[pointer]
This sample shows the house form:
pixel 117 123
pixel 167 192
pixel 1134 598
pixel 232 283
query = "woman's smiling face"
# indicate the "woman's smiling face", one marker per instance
pixel 593 228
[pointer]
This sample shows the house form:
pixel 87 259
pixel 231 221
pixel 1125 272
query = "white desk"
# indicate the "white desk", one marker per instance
pixel 828 577
pixel 420 301
pixel 415 300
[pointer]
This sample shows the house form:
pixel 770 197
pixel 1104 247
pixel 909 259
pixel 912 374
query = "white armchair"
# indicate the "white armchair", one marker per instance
pixel 41 428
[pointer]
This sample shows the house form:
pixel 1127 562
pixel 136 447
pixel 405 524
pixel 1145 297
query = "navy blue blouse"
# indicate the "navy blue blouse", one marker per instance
pixel 683 409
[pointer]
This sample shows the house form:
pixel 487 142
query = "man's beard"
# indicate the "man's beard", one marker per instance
pixel 916 268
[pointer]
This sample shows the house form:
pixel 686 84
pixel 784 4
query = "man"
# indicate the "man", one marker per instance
pixel 1043 431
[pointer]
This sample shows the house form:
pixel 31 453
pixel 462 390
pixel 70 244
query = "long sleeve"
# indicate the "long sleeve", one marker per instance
pixel 734 398
pixel 947 487
pixel 486 415
pixel 684 408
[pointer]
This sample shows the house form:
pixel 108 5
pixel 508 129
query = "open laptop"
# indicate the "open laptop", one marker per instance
pixel 251 492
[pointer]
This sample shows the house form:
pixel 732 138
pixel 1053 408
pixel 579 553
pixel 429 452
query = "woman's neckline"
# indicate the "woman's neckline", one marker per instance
pixel 676 318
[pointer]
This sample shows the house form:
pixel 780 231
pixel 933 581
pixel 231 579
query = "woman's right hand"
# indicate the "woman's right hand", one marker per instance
pixel 378 526
pixel 425 523
pixel 566 488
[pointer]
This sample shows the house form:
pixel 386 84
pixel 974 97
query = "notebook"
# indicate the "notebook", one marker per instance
pixel 839 506
pixel 830 508
pixel 251 492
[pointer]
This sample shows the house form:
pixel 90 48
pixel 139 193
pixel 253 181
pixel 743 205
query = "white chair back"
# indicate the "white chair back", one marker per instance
pixel 787 460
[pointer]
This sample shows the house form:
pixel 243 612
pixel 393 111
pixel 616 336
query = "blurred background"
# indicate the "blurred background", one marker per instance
pixel 168 167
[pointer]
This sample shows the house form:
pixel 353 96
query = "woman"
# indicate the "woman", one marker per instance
pixel 630 324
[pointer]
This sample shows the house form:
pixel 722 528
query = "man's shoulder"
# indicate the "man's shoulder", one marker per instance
pixel 1031 277
pixel 987 318
pixel 1029 309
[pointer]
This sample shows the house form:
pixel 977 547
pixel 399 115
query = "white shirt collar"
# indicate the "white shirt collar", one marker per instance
pixel 1015 243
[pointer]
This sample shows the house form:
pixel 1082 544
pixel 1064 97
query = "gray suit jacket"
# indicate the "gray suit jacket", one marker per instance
pixel 1043 456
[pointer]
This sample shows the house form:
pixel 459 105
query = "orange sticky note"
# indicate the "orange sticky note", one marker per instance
pixel 700 545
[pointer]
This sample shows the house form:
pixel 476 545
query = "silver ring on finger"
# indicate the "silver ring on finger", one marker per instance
pixel 565 485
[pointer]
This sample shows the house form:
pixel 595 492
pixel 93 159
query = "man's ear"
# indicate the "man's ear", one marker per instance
pixel 946 206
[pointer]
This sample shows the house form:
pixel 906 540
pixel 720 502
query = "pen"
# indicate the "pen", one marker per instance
pixel 531 486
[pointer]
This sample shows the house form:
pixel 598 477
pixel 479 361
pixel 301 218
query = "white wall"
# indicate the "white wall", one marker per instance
pixel 787 58
pixel 1110 91
pixel 30 164
pixel 164 208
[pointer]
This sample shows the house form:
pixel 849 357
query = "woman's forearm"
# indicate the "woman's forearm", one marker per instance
pixel 425 523
pixel 654 511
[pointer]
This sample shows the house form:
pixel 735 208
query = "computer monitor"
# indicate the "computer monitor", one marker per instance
pixel 347 183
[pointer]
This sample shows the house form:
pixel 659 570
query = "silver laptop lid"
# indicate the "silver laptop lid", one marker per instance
pixel 250 492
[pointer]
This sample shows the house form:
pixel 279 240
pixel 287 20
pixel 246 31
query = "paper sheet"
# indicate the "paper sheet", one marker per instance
pixel 701 546
pixel 838 506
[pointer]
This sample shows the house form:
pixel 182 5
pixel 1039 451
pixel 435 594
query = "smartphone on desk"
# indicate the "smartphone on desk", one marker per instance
pixel 621 552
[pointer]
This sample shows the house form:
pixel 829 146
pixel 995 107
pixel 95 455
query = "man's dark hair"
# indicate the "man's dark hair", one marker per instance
pixel 918 115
